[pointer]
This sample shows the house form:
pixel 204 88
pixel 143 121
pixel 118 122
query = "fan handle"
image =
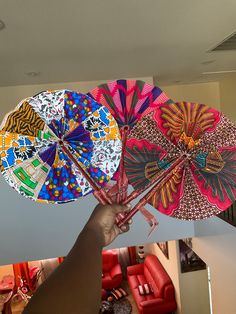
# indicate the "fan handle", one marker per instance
pixel 166 176
pixel 100 194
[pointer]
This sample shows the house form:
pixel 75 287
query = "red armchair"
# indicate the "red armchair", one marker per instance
pixel 162 300
pixel 111 270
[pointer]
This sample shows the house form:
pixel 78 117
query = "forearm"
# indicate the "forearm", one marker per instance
pixel 75 286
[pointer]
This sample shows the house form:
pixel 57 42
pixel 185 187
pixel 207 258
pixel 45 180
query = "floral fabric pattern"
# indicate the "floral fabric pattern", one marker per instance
pixel 199 143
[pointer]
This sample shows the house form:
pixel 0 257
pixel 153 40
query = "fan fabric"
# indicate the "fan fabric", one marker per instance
pixel 205 183
pixel 129 100
pixel 32 160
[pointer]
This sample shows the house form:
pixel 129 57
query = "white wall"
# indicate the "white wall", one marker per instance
pixel 228 95
pixel 215 244
pixel 220 95
pixel 194 292
pixel 32 231
pixel 204 93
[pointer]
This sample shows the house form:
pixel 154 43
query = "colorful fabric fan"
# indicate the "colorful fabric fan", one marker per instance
pixel 128 101
pixel 188 151
pixel 54 145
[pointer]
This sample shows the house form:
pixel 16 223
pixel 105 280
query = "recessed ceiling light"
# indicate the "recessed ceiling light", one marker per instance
pixel 33 74
pixel 2 25
pixel 207 62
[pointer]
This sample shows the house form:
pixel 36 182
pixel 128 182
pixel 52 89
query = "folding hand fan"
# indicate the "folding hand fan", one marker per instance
pixel 128 101
pixel 58 146
pixel 189 151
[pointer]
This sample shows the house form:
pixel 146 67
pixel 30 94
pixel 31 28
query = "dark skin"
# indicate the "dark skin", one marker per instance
pixel 75 286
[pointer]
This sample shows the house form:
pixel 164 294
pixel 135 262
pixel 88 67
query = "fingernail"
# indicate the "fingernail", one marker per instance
pixel 129 205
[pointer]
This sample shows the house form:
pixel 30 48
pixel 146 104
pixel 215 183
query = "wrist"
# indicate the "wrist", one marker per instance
pixel 95 234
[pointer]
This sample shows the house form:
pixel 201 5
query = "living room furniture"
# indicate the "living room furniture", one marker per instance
pixel 111 270
pixel 162 300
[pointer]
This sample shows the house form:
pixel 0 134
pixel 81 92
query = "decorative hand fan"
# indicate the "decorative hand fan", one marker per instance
pixel 188 151
pixel 128 101
pixel 58 146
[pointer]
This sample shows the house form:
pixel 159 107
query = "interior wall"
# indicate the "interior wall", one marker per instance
pixel 194 292
pixel 10 96
pixel 228 95
pixel 220 94
pixel 191 289
pixel 6 270
pixel 171 265
pixel 215 244
pixel 204 93
pixel 33 231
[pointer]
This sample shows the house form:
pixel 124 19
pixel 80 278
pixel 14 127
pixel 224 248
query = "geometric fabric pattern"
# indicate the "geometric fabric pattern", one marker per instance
pixel 32 159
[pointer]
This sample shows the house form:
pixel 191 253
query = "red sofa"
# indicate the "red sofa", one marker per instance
pixel 162 301
pixel 111 270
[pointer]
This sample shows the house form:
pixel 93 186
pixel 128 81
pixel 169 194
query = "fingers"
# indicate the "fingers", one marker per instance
pixel 118 208
pixel 121 214
pixel 124 228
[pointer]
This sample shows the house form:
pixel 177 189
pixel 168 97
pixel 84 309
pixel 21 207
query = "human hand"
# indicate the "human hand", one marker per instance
pixel 103 219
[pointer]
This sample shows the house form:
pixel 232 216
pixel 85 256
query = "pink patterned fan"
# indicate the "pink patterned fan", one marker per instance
pixel 128 101
pixel 187 153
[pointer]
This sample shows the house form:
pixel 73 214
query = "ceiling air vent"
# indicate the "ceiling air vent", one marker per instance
pixel 229 43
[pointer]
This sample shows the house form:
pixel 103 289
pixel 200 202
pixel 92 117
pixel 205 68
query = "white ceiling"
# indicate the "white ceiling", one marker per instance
pixel 78 40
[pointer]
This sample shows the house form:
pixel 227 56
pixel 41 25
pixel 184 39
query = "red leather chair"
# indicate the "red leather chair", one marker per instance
pixel 162 300
pixel 111 270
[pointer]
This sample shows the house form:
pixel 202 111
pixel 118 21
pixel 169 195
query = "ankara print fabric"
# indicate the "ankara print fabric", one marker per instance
pixel 32 160
pixel 129 100
pixel 202 143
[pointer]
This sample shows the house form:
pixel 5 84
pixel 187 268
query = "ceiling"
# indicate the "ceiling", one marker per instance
pixel 88 40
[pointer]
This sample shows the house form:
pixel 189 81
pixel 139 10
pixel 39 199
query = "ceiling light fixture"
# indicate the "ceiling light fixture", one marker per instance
pixel 33 74
pixel 207 62
pixel 2 25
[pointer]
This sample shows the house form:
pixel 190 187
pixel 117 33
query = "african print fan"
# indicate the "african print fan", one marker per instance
pixel 58 146
pixel 128 101
pixel 187 153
